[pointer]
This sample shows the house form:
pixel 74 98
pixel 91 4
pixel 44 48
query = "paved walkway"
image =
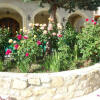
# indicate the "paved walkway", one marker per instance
pixel 92 96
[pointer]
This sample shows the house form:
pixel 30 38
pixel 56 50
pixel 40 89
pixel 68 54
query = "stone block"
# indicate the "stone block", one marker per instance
pixel 57 81
pixel 19 84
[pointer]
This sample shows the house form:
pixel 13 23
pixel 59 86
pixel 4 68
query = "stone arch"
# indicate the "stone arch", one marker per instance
pixel 77 12
pixel 43 10
pixel 17 9
pixel 13 17
pixel 77 20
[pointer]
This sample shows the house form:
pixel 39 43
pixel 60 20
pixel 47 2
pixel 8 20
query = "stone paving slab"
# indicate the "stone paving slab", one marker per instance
pixel 92 96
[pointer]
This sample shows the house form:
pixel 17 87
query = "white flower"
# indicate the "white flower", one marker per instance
pixel 54 34
pixel 42 28
pixel 44 25
pixel 14 42
pixel 30 25
pixel 59 26
pixel 37 24
pixel 45 32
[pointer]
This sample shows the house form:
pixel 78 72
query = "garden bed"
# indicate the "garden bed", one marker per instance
pixel 50 48
pixel 50 86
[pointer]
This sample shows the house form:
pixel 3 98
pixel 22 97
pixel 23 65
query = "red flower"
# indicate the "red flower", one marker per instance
pixel 92 20
pixel 16 46
pixel 25 37
pixel 87 20
pixel 27 54
pixel 59 35
pixel 39 43
pixel 19 37
pixel 95 23
pixel 8 51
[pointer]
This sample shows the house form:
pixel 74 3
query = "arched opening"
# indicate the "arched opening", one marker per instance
pixel 42 17
pixel 10 18
pixel 77 21
pixel 10 23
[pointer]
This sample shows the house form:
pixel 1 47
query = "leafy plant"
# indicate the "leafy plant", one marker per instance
pixel 89 42
pixel 4 37
pixel 1 65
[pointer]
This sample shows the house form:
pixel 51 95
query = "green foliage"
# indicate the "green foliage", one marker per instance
pixel 28 46
pixel 89 42
pixel 70 49
pixel 4 37
pixel 1 65
pixel 66 56
pixel 27 49
pixel 52 62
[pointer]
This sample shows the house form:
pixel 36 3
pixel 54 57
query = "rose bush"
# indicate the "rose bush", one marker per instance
pixel 40 41
pixel 55 48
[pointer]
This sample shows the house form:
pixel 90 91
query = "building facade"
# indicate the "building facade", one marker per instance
pixel 17 14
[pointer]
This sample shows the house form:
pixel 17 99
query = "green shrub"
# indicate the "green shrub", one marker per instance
pixel 1 65
pixel 89 42
pixel 4 37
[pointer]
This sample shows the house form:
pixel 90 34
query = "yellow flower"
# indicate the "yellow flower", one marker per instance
pixel 35 36
pixel 21 30
pixel 10 41
pixel 40 24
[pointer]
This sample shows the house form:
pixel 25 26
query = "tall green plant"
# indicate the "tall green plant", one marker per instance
pixel 4 37
pixel 89 41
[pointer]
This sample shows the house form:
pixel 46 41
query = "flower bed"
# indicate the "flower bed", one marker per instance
pixel 50 86
pixel 51 48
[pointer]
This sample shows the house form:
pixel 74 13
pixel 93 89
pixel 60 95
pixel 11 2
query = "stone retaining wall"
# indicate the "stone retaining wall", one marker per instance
pixel 50 86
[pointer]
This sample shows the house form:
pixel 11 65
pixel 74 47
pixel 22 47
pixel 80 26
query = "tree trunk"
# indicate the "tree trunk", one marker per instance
pixel 53 13
pixel 52 16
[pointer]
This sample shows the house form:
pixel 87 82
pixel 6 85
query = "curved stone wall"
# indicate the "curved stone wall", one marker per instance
pixel 50 86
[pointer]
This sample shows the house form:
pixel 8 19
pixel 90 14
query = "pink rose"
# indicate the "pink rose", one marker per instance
pixel 87 20
pixel 25 37
pixel 27 54
pixel 8 51
pixel 59 35
pixel 50 27
pixel 16 46
pixel 19 37
pixel 39 42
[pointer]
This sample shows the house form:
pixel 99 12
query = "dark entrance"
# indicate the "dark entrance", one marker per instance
pixel 11 23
